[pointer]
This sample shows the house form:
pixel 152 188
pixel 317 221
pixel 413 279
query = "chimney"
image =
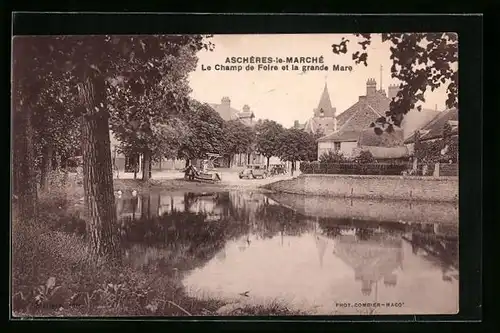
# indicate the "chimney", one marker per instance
pixel 225 110
pixel 335 124
pixel 226 101
pixel 393 91
pixel 296 124
pixel 362 98
pixel 371 87
pixel 246 108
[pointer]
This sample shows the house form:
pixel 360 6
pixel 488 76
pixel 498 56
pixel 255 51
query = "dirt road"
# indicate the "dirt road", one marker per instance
pixel 172 180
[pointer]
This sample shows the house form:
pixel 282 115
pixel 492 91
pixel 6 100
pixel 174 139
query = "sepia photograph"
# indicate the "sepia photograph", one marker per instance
pixel 235 175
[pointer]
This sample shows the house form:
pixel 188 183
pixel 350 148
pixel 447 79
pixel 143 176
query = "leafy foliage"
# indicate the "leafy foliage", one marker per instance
pixel 206 131
pixel 297 145
pixel 268 133
pixel 365 156
pixel 238 137
pixel 146 111
pixel 420 61
pixel 332 157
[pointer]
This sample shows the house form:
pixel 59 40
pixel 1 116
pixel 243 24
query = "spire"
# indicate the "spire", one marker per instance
pixel 325 104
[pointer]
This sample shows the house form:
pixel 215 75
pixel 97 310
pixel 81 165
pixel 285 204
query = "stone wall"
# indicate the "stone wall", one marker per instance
pixel 372 187
pixel 370 209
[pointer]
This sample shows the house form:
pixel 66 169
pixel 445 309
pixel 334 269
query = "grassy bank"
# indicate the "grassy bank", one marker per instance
pixel 52 275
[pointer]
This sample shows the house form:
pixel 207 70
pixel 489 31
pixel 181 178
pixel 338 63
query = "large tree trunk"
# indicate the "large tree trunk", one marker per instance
pixel 187 163
pixel 24 175
pixel 97 170
pixel 146 166
pixel 268 158
pixel 46 167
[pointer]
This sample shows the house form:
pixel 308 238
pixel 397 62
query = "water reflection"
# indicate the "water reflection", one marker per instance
pixel 226 243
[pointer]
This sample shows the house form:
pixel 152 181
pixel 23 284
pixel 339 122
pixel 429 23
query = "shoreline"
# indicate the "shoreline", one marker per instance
pixel 296 186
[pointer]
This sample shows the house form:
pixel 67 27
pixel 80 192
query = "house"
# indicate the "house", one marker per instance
pixel 433 130
pixel 355 122
pixel 324 117
pixel 247 117
pixel 227 112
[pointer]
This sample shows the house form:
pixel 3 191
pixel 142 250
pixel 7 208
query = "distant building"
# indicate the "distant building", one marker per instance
pixel 324 116
pixel 247 117
pixel 353 132
pixel 433 129
pixel 227 112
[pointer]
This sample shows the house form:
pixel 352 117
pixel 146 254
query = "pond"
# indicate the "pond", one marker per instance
pixel 321 256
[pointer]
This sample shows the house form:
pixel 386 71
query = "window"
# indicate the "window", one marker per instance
pixel 336 146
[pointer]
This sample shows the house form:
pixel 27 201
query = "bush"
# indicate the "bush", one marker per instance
pixel 365 157
pixel 332 157
pixel 354 168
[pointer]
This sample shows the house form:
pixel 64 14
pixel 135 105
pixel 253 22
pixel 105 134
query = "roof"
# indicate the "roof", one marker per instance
pixel 381 153
pixel 434 128
pixel 415 119
pixel 220 109
pixel 358 117
pixel 369 138
pixel 378 102
pixel 325 104
pixel 341 136
pixel 244 116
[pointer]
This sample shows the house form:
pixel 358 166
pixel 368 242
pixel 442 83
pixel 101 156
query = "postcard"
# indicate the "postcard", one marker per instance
pixel 235 175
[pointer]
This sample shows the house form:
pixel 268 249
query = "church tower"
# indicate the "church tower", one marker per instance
pixel 325 108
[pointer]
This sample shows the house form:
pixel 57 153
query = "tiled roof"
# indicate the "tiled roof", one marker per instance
pixel 434 129
pixel 369 138
pixel 341 136
pixel 381 153
pixel 219 108
pixel 379 102
pixel 358 117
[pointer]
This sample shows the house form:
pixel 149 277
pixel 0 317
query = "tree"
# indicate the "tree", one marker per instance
pixel 28 71
pixel 206 132
pixel 90 61
pixel 146 119
pixel 297 145
pixel 267 138
pixel 238 138
pixel 420 61
pixel 56 129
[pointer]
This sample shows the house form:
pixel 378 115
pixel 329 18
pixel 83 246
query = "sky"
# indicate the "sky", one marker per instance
pixel 288 95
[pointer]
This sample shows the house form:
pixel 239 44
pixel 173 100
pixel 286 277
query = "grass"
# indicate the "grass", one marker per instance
pixel 52 276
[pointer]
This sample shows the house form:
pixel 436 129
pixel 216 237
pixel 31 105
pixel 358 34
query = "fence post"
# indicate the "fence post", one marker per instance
pixel 436 170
